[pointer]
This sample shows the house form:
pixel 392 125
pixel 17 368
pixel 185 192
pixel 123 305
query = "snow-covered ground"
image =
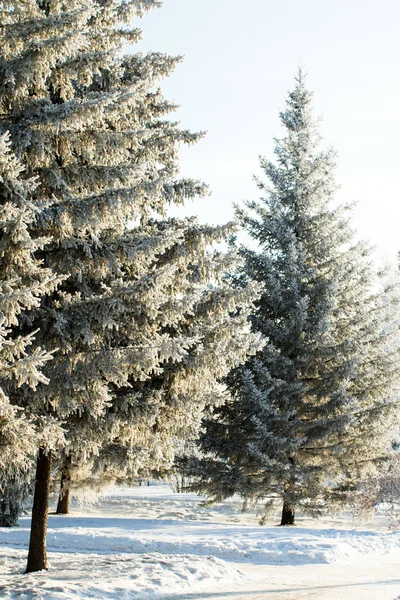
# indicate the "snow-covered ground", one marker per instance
pixel 149 543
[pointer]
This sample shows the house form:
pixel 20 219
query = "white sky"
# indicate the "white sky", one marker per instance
pixel 240 60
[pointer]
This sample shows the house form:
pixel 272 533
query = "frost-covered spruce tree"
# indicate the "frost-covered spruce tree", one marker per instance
pixel 145 325
pixel 308 413
pixel 23 282
pixel 145 417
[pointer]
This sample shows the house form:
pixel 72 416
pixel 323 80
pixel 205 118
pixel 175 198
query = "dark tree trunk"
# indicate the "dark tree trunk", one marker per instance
pixel 37 556
pixel 63 498
pixel 287 515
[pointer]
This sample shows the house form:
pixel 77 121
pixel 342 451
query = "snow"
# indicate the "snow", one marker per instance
pixel 150 543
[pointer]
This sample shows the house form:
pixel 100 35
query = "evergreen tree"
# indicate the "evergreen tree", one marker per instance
pixel 308 413
pixel 145 324
pixel 23 282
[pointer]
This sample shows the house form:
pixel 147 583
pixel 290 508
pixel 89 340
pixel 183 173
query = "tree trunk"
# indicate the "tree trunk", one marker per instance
pixel 65 487
pixel 37 556
pixel 287 515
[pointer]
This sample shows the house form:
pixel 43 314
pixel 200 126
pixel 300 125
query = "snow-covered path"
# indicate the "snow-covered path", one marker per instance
pixel 147 543
pixel 364 582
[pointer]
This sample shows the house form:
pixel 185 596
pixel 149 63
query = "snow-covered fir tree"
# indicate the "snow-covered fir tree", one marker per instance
pixel 308 414
pixel 145 325
pixel 23 282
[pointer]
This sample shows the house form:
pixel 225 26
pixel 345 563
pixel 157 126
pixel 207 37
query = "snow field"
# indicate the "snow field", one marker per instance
pixel 147 543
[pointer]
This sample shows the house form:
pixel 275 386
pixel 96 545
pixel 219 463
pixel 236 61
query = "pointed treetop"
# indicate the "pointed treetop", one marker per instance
pixel 297 116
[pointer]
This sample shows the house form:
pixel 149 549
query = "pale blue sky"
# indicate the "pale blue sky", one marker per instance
pixel 240 59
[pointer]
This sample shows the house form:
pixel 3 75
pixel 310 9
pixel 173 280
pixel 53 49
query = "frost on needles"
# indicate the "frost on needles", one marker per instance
pixel 309 413
pixel 23 284
pixel 145 323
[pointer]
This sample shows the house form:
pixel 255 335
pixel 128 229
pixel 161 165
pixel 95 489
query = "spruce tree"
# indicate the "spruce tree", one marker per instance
pixel 308 413
pixel 146 323
pixel 23 282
